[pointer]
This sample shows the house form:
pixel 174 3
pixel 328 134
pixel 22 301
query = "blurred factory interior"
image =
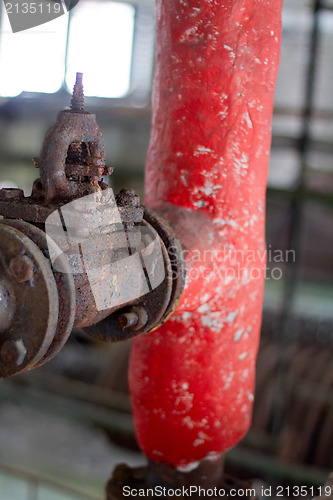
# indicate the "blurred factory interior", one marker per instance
pixel 64 426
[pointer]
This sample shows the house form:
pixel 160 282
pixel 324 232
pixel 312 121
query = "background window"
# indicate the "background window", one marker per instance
pixel 41 58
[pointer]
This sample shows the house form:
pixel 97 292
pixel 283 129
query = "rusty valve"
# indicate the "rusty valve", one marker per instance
pixel 73 255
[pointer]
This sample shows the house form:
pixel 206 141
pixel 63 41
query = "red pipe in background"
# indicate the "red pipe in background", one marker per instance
pixel 192 380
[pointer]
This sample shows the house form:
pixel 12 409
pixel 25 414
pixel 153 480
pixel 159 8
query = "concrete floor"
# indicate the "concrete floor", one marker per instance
pixel 44 457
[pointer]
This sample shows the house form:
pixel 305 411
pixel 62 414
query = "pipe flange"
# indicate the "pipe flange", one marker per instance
pixel 65 286
pixel 147 312
pixel 175 254
pixel 27 276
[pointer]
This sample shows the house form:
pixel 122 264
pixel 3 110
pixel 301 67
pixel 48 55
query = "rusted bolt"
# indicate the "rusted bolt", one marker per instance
pixel 129 319
pixel 13 351
pixel 136 318
pixel 77 102
pixel 128 197
pixel 11 193
pixel 22 268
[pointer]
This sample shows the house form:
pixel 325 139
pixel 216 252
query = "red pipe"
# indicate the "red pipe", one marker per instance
pixel 192 380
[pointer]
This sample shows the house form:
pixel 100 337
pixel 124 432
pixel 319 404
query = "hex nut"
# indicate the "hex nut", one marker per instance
pixel 136 318
pixel 13 351
pixel 11 193
pixel 128 197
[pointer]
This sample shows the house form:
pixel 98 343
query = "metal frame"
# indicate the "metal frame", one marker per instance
pixel 298 196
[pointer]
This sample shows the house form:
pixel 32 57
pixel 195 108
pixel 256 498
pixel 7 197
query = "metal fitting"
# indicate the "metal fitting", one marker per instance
pixel 135 318
pixel 11 193
pixel 62 280
pixel 22 268
pixel 13 352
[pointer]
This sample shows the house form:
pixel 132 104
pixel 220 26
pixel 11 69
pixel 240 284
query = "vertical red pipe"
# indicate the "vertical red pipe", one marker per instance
pixel 192 380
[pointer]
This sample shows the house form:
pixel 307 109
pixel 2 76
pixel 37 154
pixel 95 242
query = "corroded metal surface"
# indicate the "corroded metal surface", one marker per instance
pixel 11 194
pixel 26 208
pixel 34 304
pixel 71 162
pixel 71 167
pixel 174 249
pixel 208 476
pixel 154 303
pixel 65 288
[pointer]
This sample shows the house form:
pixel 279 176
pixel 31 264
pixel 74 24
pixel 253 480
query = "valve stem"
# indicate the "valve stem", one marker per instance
pixel 77 101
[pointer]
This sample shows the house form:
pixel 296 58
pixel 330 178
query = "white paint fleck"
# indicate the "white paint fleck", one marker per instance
pixel 223 113
pixel 188 422
pixel 232 316
pixel 242 163
pixel 209 188
pixel 200 440
pixel 232 53
pixel 213 321
pixel 248 120
pixel 239 334
pixel 202 150
pixel 250 396
pixel 212 455
pixel 243 355
pixel 191 32
pixel 205 297
pixel 189 467
pixel 225 222
pixel 228 380
pixel 200 203
pixel 204 308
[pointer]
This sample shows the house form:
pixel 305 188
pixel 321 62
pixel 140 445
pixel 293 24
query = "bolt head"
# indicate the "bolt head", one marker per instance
pixel 128 197
pixel 127 320
pixel 13 351
pixel 21 268
pixel 136 318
